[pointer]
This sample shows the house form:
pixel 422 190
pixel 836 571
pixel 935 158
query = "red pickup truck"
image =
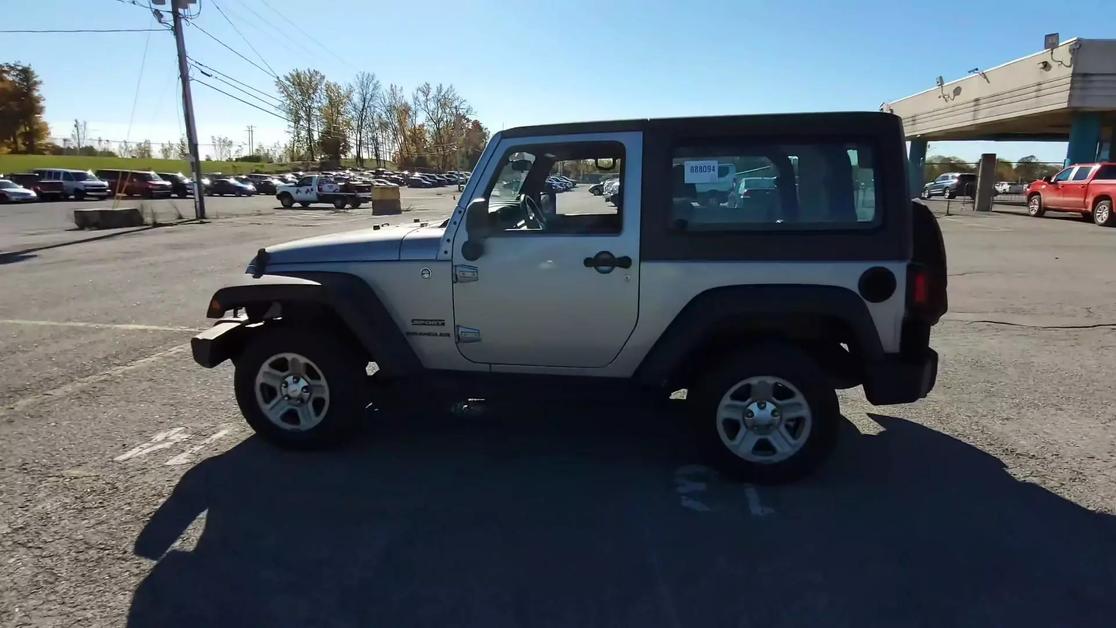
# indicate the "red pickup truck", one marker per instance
pixel 1087 189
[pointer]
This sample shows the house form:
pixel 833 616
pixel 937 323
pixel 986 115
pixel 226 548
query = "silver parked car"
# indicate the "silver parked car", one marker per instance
pixel 77 184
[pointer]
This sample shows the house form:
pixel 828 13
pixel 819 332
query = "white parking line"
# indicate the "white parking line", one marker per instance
pixel 123 326
pixel 186 456
pixel 162 440
pixel 78 384
pixel 754 506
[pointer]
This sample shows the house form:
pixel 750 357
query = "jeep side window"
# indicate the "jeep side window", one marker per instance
pixel 1064 175
pixel 823 185
pixel 540 178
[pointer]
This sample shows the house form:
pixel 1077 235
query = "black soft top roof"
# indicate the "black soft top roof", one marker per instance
pixel 864 122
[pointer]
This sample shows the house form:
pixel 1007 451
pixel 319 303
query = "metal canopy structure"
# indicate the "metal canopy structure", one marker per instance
pixel 1064 93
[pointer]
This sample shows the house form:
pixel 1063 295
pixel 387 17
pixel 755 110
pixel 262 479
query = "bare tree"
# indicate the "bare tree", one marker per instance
pixel 222 147
pixel 364 109
pixel 79 134
pixel 336 124
pixel 398 123
pixel 301 93
pixel 443 110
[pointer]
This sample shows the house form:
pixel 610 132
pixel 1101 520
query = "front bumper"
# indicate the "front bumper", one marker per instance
pixel 220 342
pixel 897 379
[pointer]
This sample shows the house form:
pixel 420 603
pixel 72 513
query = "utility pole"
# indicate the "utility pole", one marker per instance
pixel 188 108
pixel 251 149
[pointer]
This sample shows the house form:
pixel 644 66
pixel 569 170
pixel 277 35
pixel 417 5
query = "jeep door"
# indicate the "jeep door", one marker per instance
pixel 556 283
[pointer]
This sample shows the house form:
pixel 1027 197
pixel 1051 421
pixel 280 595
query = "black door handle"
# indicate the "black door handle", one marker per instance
pixel 605 262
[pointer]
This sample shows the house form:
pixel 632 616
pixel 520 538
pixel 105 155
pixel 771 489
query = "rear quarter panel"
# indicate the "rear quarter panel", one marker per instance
pixel 666 288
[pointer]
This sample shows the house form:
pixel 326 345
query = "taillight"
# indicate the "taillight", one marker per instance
pixel 926 292
pixel 920 288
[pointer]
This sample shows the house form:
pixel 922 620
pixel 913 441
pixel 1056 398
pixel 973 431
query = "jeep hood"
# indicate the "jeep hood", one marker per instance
pixel 365 245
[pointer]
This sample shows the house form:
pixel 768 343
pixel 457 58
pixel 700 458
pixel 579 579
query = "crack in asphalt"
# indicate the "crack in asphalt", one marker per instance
pixel 1010 324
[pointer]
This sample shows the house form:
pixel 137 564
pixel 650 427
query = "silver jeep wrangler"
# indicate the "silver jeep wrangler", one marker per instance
pixel 759 262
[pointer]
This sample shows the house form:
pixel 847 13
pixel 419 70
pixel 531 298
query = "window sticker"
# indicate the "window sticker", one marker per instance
pixel 703 171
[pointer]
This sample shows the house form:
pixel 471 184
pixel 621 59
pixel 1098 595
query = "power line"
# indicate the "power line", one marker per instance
pixel 232 50
pixel 239 89
pixel 233 25
pixel 285 35
pixel 321 131
pixel 203 67
pixel 86 30
pixel 254 106
pixel 302 31
pixel 147 6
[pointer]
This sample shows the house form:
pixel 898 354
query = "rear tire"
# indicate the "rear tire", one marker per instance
pixel 766 415
pixel 286 200
pixel 1103 214
pixel 1035 207
pixel 300 388
pixel 355 204
pixel 950 193
pixel 339 203
pixel 304 204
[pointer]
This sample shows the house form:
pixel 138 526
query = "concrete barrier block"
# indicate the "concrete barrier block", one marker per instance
pixel 107 217
pixel 386 207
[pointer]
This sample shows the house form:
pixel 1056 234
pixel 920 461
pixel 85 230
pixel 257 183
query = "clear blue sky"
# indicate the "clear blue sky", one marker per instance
pixel 533 62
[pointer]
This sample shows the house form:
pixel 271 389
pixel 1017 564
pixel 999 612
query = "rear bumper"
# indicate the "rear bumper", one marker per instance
pixel 220 342
pixel 895 379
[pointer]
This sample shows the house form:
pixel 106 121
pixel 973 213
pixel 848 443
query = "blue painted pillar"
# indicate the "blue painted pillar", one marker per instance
pixel 916 164
pixel 1108 149
pixel 1084 139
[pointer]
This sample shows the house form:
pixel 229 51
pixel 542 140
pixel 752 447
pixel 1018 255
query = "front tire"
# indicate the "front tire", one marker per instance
pixel 79 195
pixel 299 388
pixel 339 203
pixel 304 204
pixel 767 415
pixel 1103 215
pixel 924 195
pixel 1035 207
pixel 286 200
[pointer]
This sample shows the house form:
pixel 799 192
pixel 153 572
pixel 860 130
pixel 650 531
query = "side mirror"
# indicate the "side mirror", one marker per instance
pixel 478 225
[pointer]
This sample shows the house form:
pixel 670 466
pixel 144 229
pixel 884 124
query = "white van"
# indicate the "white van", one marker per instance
pixel 78 184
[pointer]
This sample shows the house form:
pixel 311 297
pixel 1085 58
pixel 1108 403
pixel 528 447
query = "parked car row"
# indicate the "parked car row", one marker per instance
pixel 45 184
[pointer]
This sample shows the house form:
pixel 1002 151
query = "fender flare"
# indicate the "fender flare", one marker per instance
pixel 348 296
pixel 768 307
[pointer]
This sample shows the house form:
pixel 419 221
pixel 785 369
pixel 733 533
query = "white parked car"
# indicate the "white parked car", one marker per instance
pixel 78 184
pixel 1006 187
pixel 11 192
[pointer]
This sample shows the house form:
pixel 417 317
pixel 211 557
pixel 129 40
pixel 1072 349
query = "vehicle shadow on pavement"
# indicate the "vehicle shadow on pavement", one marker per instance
pixel 572 518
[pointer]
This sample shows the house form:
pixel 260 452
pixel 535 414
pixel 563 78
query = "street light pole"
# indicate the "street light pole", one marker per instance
pixel 188 110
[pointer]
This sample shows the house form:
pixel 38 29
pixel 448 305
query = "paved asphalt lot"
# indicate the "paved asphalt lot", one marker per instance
pixel 132 492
